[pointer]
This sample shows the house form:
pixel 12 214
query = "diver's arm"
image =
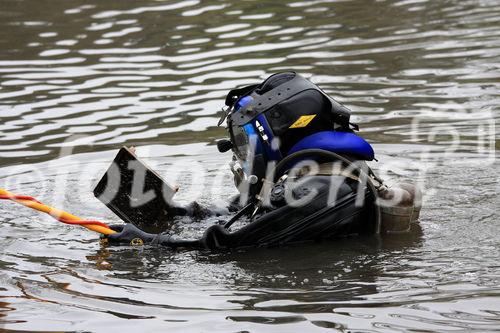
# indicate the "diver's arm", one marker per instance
pixel 129 234
pixel 193 209
pixel 197 211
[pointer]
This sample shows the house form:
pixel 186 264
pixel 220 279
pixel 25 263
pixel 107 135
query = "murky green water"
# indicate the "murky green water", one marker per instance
pixel 85 77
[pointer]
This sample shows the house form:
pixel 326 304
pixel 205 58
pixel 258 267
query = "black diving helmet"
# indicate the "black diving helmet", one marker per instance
pixel 284 114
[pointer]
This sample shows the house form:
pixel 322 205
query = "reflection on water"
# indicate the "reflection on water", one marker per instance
pixel 143 72
pixel 418 74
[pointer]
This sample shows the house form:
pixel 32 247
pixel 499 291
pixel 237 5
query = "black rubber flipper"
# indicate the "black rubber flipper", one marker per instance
pixel 137 194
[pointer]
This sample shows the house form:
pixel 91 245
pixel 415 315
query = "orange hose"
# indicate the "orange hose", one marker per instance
pixel 58 214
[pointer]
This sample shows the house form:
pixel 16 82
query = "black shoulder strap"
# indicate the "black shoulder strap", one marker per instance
pixel 270 98
pixel 341 114
pixel 262 103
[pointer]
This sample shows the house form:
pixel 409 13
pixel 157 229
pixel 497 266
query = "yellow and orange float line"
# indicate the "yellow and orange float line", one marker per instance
pixel 58 214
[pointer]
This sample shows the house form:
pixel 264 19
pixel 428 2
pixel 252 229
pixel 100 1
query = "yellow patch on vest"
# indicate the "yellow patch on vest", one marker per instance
pixel 303 121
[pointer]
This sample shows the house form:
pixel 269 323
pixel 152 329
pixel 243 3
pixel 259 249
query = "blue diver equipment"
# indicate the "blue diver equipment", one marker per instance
pixel 344 143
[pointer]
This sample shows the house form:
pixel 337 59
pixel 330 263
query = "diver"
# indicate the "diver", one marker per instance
pixel 301 173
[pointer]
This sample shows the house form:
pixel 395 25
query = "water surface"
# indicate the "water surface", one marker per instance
pixel 85 77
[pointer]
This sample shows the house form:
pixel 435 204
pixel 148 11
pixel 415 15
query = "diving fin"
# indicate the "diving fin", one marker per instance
pixel 136 193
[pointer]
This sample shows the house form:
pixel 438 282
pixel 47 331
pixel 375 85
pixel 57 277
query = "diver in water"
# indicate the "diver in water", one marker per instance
pixel 301 172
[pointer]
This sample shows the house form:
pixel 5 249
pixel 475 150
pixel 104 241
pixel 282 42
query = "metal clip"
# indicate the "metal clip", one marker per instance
pixel 136 242
pixel 225 112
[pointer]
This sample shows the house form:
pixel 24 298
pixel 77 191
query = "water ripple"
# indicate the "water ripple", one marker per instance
pixel 95 75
